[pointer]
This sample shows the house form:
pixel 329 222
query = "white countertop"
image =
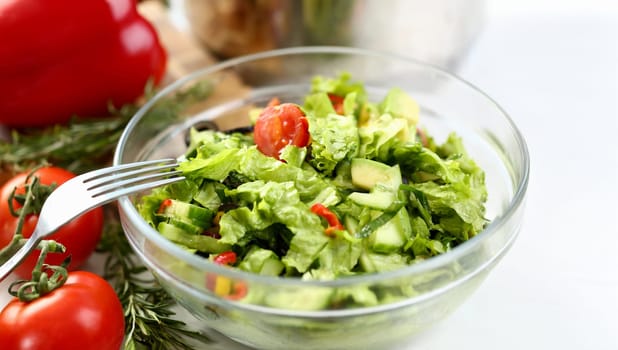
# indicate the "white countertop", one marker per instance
pixel 553 66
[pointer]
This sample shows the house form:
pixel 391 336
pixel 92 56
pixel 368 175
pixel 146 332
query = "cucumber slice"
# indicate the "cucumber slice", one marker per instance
pixel 189 213
pixel 366 173
pixel 202 243
pixel 393 235
pixel 307 298
pixel 262 261
pixel 376 200
pixel 183 225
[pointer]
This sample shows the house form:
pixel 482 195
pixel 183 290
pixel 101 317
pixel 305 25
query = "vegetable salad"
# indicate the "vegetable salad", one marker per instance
pixel 337 186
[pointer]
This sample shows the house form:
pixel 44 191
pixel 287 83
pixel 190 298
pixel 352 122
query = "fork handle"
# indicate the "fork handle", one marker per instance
pixel 18 257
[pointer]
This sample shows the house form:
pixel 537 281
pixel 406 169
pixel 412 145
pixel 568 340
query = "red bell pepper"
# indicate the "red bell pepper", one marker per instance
pixel 61 58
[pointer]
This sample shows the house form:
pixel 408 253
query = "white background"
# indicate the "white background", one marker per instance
pixel 552 65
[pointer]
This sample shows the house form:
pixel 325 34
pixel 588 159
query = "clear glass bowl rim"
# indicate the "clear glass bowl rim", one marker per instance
pixel 436 262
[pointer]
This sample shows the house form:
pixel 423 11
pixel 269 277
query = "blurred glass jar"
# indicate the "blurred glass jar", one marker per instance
pixel 436 32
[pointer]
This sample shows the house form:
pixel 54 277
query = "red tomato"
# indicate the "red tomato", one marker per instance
pixel 84 313
pixel 79 236
pixel 279 126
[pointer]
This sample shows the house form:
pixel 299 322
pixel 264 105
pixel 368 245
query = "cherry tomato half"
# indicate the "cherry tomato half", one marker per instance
pixel 79 236
pixel 279 126
pixel 84 313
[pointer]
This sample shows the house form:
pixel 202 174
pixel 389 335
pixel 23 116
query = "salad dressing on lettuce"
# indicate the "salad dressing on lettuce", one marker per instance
pixel 367 190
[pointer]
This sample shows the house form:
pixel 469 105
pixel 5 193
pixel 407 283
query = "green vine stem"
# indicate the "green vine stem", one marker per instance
pixel 18 239
pixel 45 278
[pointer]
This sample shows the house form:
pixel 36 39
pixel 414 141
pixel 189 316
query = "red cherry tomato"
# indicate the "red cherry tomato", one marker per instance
pixel 79 236
pixel 84 313
pixel 279 126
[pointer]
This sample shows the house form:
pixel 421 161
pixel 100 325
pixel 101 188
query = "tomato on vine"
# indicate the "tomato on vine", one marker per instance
pixel 79 236
pixel 278 126
pixel 83 313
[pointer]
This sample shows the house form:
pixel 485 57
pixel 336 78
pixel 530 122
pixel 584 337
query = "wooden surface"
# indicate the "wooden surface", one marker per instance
pixel 185 54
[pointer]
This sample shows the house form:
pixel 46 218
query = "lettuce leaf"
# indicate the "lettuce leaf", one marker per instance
pixel 342 85
pixel 216 164
pixel 378 136
pixel 340 255
pixel 311 186
pixel 333 137
pixel 271 203
pixel 400 105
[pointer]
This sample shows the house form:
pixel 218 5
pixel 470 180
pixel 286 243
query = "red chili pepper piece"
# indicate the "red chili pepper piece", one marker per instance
pixel 239 291
pixel 337 102
pixel 223 286
pixel 72 57
pixel 333 221
pixel 166 203
pixel 225 258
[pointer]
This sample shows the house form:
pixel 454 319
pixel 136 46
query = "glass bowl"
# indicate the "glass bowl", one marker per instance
pixel 435 287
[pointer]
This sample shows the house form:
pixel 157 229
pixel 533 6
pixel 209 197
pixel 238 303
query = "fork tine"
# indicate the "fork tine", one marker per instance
pixel 112 185
pixel 110 196
pixel 105 171
pixel 100 180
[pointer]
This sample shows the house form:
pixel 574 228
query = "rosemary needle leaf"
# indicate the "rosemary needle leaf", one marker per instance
pixel 86 143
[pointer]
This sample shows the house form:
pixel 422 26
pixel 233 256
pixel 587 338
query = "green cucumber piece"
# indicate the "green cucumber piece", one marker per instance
pixel 307 298
pixel 262 261
pixel 393 235
pixel 202 243
pixel 189 213
pixel 366 173
pixel 376 200
pixel 183 225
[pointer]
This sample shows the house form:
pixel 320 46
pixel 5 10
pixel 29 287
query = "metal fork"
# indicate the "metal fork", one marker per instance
pixel 90 190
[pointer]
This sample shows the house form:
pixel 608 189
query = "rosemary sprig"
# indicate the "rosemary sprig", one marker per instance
pixel 82 145
pixel 78 147
pixel 86 143
pixel 149 322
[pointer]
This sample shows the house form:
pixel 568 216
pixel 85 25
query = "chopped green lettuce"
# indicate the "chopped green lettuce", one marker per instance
pixel 275 202
pixel 400 105
pixel 340 86
pixel 333 137
pixel 430 198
